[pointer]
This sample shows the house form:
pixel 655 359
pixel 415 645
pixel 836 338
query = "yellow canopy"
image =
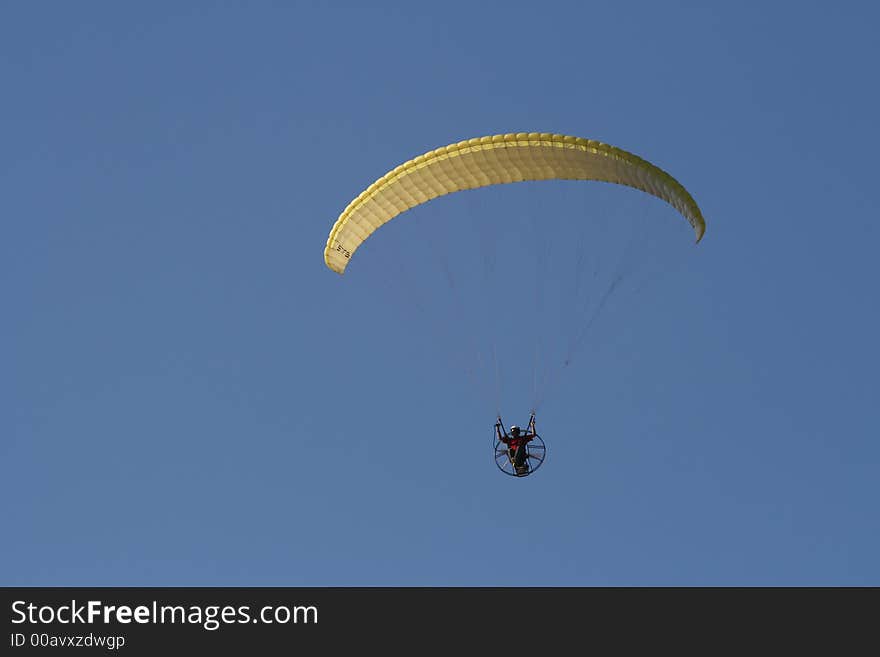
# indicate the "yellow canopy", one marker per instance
pixel 491 161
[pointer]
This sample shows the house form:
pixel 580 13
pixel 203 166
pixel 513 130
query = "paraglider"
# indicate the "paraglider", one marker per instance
pixel 496 160
pixel 518 453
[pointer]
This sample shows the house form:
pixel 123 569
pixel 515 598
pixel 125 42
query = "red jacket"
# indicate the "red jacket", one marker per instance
pixel 516 443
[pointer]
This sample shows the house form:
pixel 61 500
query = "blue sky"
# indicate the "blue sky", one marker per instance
pixel 189 397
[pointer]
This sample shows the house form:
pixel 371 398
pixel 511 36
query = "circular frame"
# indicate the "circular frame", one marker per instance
pixel 536 453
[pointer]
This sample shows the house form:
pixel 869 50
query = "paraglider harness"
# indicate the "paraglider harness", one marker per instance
pixel 521 455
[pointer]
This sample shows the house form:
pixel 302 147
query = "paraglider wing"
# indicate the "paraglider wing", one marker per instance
pixel 496 160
